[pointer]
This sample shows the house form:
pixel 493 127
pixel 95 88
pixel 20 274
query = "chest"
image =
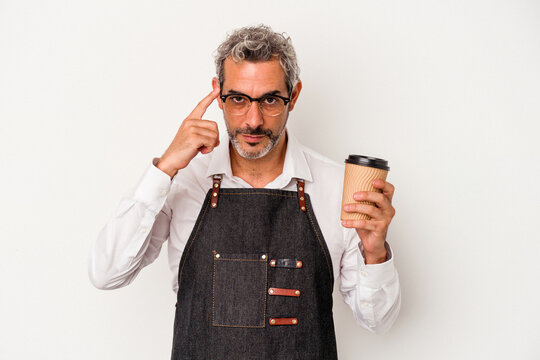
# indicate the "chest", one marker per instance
pixel 325 208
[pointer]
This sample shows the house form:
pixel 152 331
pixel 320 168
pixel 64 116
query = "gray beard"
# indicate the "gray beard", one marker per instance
pixel 273 140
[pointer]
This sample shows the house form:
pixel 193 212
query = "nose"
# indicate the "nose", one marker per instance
pixel 254 116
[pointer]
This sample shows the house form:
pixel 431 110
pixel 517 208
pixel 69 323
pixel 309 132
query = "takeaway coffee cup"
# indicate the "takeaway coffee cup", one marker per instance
pixel 360 171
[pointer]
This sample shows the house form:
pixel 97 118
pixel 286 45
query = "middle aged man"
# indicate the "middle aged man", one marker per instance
pixel 255 240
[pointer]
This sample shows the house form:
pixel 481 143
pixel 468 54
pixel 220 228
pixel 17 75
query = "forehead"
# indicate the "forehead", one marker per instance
pixel 250 77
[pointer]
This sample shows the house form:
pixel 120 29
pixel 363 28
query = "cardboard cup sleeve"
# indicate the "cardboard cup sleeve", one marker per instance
pixel 359 178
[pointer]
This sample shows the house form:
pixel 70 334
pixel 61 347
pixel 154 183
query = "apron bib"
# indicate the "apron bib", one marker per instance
pixel 255 279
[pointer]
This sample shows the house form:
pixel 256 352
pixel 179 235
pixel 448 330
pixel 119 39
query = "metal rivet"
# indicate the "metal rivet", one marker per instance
pixel 300 188
pixel 271 291
pixel 263 257
pixel 216 185
pixel 214 205
pixel 273 262
pixel 303 208
pixel 215 194
pixel 297 292
pixel 294 321
pixel 272 321
pixel 298 264
pixel 302 198
pixel 217 256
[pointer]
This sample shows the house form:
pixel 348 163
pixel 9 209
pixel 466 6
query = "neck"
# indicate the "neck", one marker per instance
pixel 260 172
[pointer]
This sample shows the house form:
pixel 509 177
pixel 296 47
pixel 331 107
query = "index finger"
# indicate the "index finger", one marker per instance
pixel 385 186
pixel 201 107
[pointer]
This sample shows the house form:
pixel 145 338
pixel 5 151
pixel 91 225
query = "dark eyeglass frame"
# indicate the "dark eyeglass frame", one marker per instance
pixel 285 100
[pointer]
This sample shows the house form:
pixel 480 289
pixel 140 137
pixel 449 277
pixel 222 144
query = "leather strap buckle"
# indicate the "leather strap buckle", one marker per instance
pixel 300 185
pixel 286 263
pixel 284 292
pixel 215 190
pixel 283 321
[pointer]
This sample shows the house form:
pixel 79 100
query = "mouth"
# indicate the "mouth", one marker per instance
pixel 252 138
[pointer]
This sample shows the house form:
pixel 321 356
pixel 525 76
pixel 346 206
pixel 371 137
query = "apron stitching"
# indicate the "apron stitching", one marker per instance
pixel 213 294
pixel 258 193
pixel 213 290
pixel 240 326
pixel 221 259
pixel 265 287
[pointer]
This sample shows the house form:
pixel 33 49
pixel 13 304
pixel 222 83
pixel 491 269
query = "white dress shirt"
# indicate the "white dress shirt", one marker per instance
pixel 159 209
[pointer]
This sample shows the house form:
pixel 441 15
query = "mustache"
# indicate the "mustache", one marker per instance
pixel 257 131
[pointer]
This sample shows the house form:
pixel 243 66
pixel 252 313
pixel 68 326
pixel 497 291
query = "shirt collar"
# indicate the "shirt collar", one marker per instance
pixel 294 166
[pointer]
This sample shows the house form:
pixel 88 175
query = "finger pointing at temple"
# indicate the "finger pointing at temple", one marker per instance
pixel 201 107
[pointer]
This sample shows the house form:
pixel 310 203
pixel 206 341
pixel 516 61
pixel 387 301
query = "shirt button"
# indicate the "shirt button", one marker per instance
pixel 164 192
pixel 144 230
pixel 366 305
pixel 363 273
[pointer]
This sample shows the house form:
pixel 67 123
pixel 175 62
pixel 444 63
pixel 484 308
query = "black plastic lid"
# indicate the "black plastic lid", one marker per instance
pixel 368 161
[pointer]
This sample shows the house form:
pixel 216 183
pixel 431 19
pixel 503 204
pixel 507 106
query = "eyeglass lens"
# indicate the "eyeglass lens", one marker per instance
pixel 269 105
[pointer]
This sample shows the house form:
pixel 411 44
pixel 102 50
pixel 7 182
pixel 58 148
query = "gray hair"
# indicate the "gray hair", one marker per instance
pixel 259 43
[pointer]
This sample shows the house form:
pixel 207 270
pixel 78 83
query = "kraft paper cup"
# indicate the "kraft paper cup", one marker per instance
pixel 360 171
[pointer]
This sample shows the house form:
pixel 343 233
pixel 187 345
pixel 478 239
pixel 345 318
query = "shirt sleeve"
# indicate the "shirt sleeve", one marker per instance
pixel 134 234
pixel 372 291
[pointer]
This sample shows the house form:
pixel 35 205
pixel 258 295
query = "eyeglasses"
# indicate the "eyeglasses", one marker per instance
pixel 269 105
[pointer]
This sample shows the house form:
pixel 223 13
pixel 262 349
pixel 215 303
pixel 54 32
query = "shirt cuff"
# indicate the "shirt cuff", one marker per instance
pixel 376 275
pixel 153 187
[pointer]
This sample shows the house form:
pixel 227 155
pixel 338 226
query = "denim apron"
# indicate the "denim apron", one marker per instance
pixel 255 279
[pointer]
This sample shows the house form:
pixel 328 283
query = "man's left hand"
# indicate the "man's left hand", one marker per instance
pixel 373 232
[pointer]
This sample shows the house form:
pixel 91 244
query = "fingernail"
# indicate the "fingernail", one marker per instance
pixel 357 196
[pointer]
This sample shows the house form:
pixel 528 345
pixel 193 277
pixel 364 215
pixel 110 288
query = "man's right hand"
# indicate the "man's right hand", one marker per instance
pixel 193 136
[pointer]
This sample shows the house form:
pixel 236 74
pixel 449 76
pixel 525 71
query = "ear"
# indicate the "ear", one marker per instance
pixel 295 94
pixel 215 84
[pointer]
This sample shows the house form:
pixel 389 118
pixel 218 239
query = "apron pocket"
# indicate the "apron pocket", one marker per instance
pixel 239 290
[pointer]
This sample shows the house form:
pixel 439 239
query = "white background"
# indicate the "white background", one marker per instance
pixel 447 91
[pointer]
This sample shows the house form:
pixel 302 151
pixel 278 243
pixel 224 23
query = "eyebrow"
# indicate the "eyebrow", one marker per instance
pixel 273 92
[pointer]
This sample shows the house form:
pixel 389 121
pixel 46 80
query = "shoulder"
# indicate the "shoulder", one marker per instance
pixel 322 168
pixel 326 193
pixel 326 187
pixel 193 177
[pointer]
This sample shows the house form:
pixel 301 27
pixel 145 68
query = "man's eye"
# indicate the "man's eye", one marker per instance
pixel 270 100
pixel 237 99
